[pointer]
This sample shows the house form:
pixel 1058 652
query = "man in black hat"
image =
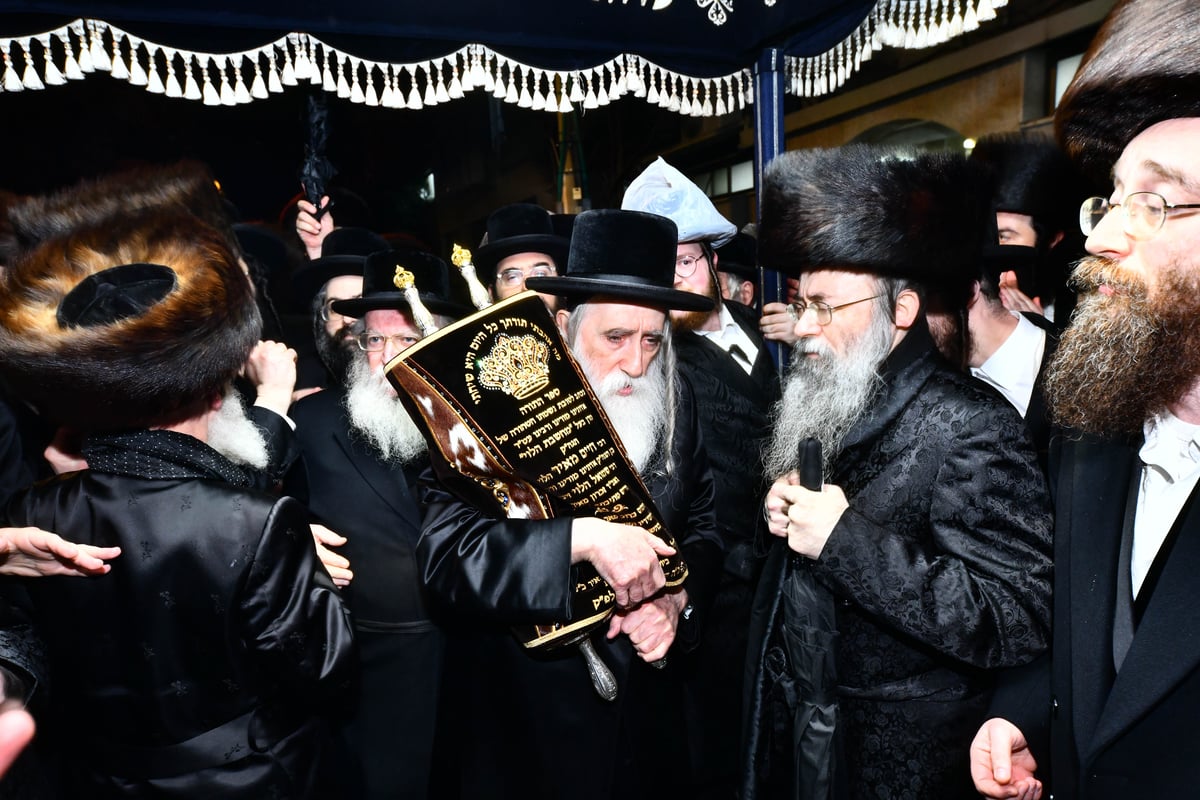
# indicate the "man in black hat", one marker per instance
pixel 530 724
pixel 923 562
pixel 737 276
pixel 361 455
pixel 1113 711
pixel 521 242
pixel 335 275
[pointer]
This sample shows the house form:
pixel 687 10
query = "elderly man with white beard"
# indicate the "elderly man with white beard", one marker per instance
pixel 529 723
pixel 922 565
pixel 361 456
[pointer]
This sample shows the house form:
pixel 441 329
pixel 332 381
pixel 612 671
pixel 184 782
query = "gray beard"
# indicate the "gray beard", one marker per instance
pixel 824 397
pixel 378 416
pixel 232 434
pixel 639 419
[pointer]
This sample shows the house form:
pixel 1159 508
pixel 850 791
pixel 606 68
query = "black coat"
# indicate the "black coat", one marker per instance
pixel 389 728
pixel 522 724
pixel 1097 734
pixel 197 667
pixel 940 570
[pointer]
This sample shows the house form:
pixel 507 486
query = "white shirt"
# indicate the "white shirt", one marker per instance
pixel 729 335
pixel 1013 368
pixel 1171 456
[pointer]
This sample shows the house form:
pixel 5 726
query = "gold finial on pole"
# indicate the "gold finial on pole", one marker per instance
pixel 406 282
pixel 461 258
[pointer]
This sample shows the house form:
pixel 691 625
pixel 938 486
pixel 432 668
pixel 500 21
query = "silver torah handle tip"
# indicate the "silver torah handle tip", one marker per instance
pixel 603 681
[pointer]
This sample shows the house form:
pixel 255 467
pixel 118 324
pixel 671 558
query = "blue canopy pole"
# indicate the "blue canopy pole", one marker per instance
pixel 768 143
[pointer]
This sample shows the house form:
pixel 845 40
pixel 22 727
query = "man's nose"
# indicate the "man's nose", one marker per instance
pixel 634 362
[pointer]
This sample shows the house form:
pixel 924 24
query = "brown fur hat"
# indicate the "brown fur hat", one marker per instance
pixel 863 208
pixel 183 187
pixel 1143 67
pixel 137 367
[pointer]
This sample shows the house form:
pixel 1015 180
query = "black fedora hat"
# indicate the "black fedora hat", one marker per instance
pixel 342 253
pixel 628 255
pixel 518 228
pixel 739 256
pixel 431 277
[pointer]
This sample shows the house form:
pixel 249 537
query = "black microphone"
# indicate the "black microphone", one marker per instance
pixel 809 465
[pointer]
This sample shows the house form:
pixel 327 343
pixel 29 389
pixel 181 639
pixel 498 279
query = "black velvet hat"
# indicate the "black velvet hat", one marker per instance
pixel 342 253
pixel 1142 68
pixel 431 277
pixel 739 256
pixel 863 208
pixel 518 228
pixel 627 255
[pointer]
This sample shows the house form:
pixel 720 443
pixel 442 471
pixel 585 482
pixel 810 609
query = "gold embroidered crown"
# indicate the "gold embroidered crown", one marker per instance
pixel 517 365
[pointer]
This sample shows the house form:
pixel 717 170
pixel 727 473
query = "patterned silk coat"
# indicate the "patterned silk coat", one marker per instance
pixel 940 571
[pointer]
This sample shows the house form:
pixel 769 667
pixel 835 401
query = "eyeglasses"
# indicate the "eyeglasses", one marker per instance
pixel 327 308
pixel 686 265
pixel 515 277
pixel 373 342
pixel 824 311
pixel 1143 213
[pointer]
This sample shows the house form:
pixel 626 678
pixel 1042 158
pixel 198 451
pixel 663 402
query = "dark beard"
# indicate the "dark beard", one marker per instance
pixel 695 320
pixel 1127 357
pixel 334 354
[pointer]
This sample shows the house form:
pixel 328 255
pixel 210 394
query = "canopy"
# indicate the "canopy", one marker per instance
pixel 695 57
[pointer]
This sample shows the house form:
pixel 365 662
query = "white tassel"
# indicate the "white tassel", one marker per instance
pixel 328 83
pixel 53 76
pixel 514 80
pixel 456 87
pixel 191 89
pixel 274 82
pixel 652 92
pixel 357 95
pixel 368 95
pixel 99 57
pixel 258 87
pixel 564 104
pixel 576 94
pixel 440 94
pixel 154 83
pixel 11 82
pixel 117 65
pixel 430 97
pixel 293 74
pixel 70 66
pixel 603 96
pixel 589 97
pixel 342 64
pixel 414 96
pixel 985 13
pixel 636 83
pixel 240 93
pixel 526 99
pixel 490 78
pixel 387 98
pixel 211 97
pixel 287 77
pixel 30 79
pixel 85 49
pixel 228 98
pixel 171 83
pixel 479 75
pixel 137 73
pixel 970 20
pixel 539 99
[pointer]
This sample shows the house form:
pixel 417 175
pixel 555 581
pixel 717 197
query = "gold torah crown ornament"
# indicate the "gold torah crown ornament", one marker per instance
pixel 406 282
pixel 461 258
pixel 403 279
pixel 517 365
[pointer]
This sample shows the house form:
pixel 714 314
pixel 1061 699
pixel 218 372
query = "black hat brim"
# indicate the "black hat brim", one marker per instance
pixel 622 287
pixel 492 253
pixel 309 279
pixel 359 306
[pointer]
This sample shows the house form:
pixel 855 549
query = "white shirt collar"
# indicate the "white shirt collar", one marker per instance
pixel 1013 368
pixel 730 335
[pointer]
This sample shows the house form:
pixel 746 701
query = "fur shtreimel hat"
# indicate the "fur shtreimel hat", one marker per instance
pixel 625 255
pixel 1031 176
pixel 126 324
pixel 866 209
pixel 1143 67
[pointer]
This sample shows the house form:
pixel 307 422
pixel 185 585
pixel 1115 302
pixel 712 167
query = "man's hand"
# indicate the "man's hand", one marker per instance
pixel 803 517
pixel 1001 764
pixel 272 369
pixel 777 324
pixel 312 231
pixel 651 626
pixel 16 730
pixel 337 566
pixel 625 556
pixel 33 552
pixel 1013 298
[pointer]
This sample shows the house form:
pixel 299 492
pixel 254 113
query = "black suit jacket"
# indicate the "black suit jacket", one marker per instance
pixel 1131 734
pixel 348 488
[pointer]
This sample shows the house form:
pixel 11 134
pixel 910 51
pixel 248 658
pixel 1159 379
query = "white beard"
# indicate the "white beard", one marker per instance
pixel 824 397
pixel 233 435
pixel 639 418
pixel 379 417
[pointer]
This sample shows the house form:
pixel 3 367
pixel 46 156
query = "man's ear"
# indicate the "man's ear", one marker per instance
pixel 976 294
pixel 561 316
pixel 908 306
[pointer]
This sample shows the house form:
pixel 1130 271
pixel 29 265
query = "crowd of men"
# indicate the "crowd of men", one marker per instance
pixel 949 549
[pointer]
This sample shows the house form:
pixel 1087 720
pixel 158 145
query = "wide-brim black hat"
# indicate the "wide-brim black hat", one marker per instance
pixel 863 208
pixel 739 256
pixel 1142 68
pixel 627 255
pixel 1032 176
pixel 343 252
pixel 430 274
pixel 518 228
